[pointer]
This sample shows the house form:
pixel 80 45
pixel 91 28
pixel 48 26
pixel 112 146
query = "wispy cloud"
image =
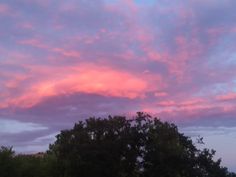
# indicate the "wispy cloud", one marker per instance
pixel 14 126
pixel 64 59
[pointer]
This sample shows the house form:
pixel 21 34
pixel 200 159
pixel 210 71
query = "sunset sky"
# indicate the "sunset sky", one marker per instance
pixel 64 60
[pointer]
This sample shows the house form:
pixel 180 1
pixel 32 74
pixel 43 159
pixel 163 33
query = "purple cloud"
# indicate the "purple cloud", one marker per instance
pixel 64 61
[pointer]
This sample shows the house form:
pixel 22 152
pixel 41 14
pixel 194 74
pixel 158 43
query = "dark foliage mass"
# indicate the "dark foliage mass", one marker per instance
pixel 117 147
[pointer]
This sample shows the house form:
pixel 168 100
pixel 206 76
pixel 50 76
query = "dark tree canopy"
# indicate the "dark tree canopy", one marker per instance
pixel 139 147
pixel 117 147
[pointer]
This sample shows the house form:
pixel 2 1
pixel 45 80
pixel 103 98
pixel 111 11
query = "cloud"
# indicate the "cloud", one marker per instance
pixel 14 126
pixel 63 61
pixel 227 97
pixel 179 48
pixel 4 9
pixel 217 138
pixel 83 78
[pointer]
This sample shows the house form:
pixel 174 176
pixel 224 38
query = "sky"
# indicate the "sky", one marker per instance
pixel 66 60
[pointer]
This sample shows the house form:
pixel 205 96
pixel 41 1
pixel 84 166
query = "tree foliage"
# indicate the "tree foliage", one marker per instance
pixel 139 147
pixel 117 147
pixel 7 163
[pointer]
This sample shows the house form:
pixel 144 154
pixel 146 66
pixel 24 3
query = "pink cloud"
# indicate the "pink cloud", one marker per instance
pixel 192 102
pixel 83 78
pixel 34 43
pixel 26 25
pixel 160 94
pixel 4 9
pixel 170 58
pixel 227 97
pixel 168 103
pixel 183 103
pixel 67 53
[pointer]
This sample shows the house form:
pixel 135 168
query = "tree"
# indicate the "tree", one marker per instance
pixel 12 165
pixel 7 163
pixel 97 147
pixel 139 147
pixel 117 147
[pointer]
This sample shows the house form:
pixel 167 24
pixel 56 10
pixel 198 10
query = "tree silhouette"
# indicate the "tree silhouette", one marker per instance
pixel 139 147
pixel 117 147
pixel 7 162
